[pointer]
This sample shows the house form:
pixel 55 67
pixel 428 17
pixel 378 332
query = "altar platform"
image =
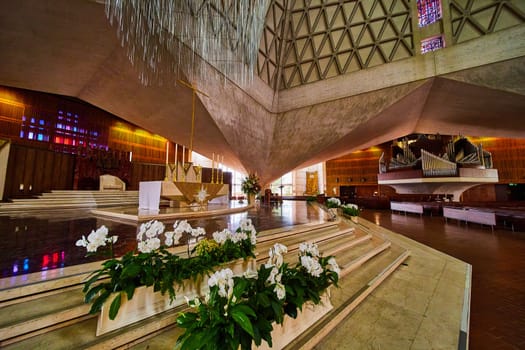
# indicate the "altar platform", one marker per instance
pixel 134 214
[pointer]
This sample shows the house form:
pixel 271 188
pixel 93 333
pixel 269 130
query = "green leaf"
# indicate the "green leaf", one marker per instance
pixel 130 291
pixel 94 277
pixel 193 341
pixel 97 304
pixel 115 306
pixel 263 300
pixel 244 309
pixel 291 310
pixel 278 312
pixel 239 287
pixel 242 320
pixel 186 319
pixel 93 292
pixel 131 271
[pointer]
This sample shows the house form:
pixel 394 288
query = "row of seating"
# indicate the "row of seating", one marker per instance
pixel 505 214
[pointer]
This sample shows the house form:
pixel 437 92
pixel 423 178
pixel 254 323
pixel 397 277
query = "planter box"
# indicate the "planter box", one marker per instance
pixel 146 303
pixel 291 328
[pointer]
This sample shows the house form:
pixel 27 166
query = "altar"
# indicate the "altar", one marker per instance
pixel 179 193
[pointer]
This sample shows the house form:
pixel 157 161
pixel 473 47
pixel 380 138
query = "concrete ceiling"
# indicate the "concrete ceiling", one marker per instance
pixel 67 47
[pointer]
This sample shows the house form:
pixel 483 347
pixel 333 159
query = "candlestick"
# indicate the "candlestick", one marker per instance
pixel 222 172
pixel 167 150
pixel 176 162
pixel 212 165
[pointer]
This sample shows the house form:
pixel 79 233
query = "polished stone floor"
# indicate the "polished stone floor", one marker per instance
pixel 497 317
pixel 46 240
pixel 33 243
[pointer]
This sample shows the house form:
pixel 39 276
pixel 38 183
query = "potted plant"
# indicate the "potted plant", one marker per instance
pixel 241 311
pixel 333 203
pixel 250 185
pixel 351 210
pixel 154 268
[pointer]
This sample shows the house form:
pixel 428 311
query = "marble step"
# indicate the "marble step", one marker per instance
pixel 46 312
pixel 293 242
pixel 64 204
pixel 353 289
pixel 72 199
pixel 24 286
pixel 55 290
pixel 53 202
pixel 276 234
pixel 63 319
pixel 81 334
pixel 66 192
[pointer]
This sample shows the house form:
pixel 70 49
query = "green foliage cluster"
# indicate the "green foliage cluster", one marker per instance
pixel 350 209
pixel 249 313
pixel 333 202
pixel 160 269
pixel 250 184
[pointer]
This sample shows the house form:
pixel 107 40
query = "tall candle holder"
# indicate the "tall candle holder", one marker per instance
pixel 166 178
pixel 172 168
pixel 186 166
pixel 197 169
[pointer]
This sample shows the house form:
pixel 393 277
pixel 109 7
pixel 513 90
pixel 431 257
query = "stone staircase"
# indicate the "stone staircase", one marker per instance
pixel 72 200
pixel 50 314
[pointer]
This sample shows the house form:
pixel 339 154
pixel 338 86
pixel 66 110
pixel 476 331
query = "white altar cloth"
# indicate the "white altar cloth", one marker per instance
pixel 149 195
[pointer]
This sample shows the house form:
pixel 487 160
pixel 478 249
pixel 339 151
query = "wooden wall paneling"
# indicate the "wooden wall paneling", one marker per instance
pixel 29 170
pixel 481 193
pixel 68 171
pixel 508 156
pixel 38 172
pixel 10 175
pixel 355 169
pixel 57 173
pixel 146 172
pixel 18 175
pixel 134 170
pixel 64 175
pixel 48 171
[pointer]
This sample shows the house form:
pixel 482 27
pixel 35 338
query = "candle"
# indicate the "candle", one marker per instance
pixel 222 172
pixel 212 165
pixel 167 150
pixel 176 150
pixel 183 153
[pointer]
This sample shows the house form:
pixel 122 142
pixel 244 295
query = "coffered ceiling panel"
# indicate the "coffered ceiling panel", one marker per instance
pixel 324 39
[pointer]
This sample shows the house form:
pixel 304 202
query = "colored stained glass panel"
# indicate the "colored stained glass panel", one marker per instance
pixel 432 44
pixel 429 11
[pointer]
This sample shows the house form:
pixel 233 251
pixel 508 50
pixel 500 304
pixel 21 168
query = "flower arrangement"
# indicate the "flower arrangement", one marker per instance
pixel 333 202
pixel 240 310
pixel 350 209
pixel 153 265
pixel 97 239
pixel 250 184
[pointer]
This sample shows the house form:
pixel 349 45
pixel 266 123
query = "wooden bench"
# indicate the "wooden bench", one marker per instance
pixel 405 207
pixel 478 216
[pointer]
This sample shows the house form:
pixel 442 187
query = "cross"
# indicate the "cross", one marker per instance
pixel 194 90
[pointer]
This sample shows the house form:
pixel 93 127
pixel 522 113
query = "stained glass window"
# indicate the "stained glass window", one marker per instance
pixel 432 44
pixel 429 11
